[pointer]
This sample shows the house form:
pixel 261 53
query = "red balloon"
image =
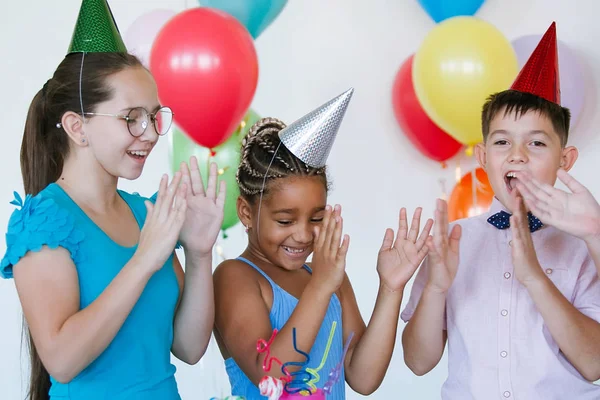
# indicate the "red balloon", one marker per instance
pixel 206 69
pixel 427 137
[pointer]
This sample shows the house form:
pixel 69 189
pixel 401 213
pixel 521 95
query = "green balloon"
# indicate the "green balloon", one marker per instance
pixel 227 157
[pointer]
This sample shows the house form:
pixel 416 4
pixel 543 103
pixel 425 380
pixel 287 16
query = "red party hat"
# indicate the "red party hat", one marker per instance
pixel 539 76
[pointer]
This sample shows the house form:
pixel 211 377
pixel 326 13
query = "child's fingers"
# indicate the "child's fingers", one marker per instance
pixel 432 249
pixel 182 192
pixel 167 200
pixel 518 224
pixel 320 238
pixel 177 217
pixel 415 225
pixel 422 253
pixel 211 187
pixel 439 237
pixel 514 227
pixel 186 178
pixel 525 179
pixel 437 216
pixel 149 209
pixel 179 199
pixel 222 195
pixel 388 240
pixel 316 233
pixel 525 191
pixel 402 224
pixel 337 209
pixel 197 182
pixel 573 184
pixel 330 229
pixel 336 236
pixel 162 188
pixel 420 243
pixel 542 191
pixel 539 209
pixel 454 240
pixel 343 250
pixel 521 206
pixel 444 216
pixel 516 217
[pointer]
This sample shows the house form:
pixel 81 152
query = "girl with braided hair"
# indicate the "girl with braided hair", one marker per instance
pixel 283 204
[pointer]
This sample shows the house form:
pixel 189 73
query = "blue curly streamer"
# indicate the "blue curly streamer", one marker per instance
pixel 300 378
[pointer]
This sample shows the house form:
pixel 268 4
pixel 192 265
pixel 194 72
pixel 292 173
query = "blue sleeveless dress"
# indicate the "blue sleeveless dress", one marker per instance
pixel 283 306
pixel 137 363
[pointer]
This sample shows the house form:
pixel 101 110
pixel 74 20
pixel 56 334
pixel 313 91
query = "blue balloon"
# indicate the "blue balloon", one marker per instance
pixel 440 10
pixel 255 15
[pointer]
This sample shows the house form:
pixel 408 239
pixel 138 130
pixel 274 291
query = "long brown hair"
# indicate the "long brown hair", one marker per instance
pixel 45 144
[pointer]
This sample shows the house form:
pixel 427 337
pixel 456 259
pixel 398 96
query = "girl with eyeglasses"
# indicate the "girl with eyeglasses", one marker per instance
pixel 104 297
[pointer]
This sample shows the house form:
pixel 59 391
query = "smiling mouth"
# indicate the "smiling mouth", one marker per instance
pixel 138 154
pixel 294 251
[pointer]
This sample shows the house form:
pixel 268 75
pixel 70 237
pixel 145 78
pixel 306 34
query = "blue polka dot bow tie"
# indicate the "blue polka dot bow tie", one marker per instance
pixel 501 220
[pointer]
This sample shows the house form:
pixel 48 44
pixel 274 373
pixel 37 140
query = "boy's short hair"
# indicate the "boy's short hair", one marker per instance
pixel 520 103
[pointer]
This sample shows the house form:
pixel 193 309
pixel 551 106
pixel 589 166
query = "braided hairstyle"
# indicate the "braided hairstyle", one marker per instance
pixel 258 148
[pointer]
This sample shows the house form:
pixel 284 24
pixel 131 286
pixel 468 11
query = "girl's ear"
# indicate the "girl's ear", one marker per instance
pixel 244 211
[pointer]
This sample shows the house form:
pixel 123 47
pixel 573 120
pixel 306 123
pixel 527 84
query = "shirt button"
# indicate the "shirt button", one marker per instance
pixel 503 354
pixel 504 313
pixel 507 394
pixel 549 271
pixel 507 275
pixel 510 243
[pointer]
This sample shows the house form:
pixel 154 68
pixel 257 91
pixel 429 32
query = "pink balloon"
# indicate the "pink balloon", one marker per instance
pixel 141 34
pixel 572 85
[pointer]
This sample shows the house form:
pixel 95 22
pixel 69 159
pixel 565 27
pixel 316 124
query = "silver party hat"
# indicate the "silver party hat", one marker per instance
pixel 311 137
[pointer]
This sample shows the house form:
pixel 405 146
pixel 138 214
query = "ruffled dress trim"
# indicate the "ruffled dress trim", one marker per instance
pixel 39 222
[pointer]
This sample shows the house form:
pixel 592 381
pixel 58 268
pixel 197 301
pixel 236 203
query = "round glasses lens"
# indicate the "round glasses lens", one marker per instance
pixel 138 121
pixel 163 120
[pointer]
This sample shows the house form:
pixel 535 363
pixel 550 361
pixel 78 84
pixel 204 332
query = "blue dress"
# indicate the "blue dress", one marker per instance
pixel 283 306
pixel 136 364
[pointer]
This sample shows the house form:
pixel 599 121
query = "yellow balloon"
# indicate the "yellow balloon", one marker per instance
pixel 461 62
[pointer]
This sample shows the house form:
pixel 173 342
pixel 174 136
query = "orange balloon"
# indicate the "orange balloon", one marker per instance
pixel 468 200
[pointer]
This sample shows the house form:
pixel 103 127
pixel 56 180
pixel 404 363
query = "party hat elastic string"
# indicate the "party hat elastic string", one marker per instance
pixel 80 86
pixel 262 189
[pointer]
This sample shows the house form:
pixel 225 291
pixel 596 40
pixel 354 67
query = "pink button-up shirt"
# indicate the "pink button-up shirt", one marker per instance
pixel 498 344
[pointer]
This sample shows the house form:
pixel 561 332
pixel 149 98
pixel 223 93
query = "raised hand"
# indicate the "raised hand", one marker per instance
pixel 329 257
pixel 577 213
pixel 525 262
pixel 399 259
pixel 204 214
pixel 163 224
pixel 443 250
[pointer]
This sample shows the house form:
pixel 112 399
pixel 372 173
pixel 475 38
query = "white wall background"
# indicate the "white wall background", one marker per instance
pixel 313 51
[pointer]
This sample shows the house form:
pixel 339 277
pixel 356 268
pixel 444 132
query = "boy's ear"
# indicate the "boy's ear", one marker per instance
pixel 568 157
pixel 480 155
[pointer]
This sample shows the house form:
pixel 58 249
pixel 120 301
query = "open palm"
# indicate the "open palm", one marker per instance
pixel 577 213
pixel 399 259
pixel 204 214
pixel 443 250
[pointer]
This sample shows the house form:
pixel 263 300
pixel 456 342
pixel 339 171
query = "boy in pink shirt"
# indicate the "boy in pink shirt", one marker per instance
pixel 517 298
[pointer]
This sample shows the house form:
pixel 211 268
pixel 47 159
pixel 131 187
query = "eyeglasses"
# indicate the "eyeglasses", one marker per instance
pixel 139 118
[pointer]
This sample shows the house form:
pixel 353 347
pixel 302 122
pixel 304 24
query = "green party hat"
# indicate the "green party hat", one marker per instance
pixel 96 30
